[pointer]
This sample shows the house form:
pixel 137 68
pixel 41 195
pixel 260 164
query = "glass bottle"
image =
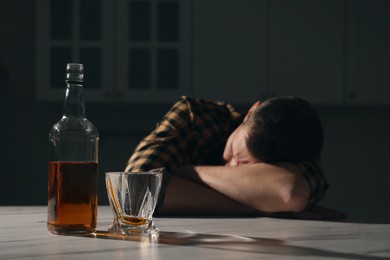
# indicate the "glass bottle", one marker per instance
pixel 73 163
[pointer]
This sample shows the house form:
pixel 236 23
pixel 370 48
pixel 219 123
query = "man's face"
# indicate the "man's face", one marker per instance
pixel 236 152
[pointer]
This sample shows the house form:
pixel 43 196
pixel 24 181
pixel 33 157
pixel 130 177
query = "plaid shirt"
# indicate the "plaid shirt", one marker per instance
pixel 194 132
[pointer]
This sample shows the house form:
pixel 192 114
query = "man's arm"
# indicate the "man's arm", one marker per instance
pixel 184 197
pixel 263 187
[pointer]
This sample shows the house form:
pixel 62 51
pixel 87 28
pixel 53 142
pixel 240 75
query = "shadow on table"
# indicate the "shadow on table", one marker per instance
pixel 368 216
pixel 230 243
pixel 361 215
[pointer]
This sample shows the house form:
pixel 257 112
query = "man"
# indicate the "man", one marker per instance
pixel 218 163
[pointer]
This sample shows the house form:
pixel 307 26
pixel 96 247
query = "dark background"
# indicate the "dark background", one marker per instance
pixel 356 152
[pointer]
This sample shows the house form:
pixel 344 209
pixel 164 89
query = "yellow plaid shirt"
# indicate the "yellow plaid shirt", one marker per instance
pixel 194 132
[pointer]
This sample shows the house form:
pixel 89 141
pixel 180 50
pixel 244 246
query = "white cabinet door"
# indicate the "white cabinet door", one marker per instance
pixel 369 52
pixel 306 49
pixel 134 51
pixel 229 49
pixel 249 50
pixel 77 31
pixel 152 50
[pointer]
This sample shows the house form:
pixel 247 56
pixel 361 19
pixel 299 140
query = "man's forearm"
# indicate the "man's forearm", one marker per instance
pixel 264 187
pixel 183 197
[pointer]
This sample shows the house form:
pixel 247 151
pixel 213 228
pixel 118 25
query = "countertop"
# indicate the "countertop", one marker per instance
pixel 23 235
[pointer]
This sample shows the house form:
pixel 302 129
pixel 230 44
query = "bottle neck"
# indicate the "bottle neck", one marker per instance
pixel 74 105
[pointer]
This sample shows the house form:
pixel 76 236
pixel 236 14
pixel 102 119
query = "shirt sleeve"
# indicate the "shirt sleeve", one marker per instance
pixel 316 180
pixel 193 131
pixel 166 145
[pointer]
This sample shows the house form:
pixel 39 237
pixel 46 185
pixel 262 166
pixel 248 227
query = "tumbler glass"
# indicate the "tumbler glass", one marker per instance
pixel 133 197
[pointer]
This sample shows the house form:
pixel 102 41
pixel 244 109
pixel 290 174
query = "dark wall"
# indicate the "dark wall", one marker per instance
pixel 355 153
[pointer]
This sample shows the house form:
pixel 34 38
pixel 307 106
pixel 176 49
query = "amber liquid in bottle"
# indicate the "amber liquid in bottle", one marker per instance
pixel 72 203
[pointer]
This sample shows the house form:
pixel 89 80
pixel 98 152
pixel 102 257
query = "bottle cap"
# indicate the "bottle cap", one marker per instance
pixel 75 72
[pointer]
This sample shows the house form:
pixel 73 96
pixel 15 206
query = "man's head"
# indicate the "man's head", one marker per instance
pixel 280 129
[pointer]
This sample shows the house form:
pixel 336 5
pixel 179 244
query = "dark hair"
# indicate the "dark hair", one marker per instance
pixel 285 129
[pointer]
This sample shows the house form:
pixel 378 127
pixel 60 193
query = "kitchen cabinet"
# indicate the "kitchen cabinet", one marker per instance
pixel 248 50
pixel 132 51
pixel 330 52
pixel 368 52
pixel 306 47
pixel 230 50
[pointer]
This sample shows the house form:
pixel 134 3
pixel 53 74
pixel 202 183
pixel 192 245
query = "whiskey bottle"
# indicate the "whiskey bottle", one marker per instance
pixel 73 163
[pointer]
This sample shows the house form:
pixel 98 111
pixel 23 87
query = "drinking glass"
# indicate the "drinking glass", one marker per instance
pixel 133 197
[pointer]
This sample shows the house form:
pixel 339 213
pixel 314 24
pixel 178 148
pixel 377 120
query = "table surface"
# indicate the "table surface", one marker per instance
pixel 23 235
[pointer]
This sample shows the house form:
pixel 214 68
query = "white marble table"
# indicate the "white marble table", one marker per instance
pixel 23 235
